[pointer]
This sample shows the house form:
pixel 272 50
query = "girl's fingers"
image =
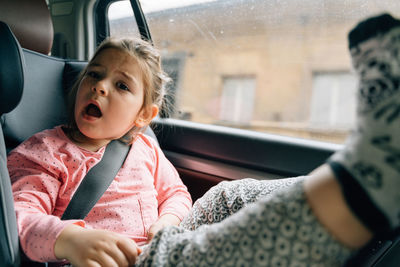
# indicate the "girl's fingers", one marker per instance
pixel 111 258
pixel 130 249
pixel 91 263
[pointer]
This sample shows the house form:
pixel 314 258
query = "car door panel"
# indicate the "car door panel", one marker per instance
pixel 206 155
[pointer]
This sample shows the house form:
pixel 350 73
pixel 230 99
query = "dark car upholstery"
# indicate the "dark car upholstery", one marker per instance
pixel 11 86
pixel 43 102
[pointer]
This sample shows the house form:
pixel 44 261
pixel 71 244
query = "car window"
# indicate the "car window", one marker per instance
pixel 121 19
pixel 280 67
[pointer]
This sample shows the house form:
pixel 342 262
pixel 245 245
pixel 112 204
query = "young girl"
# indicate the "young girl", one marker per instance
pixel 318 220
pixel 116 97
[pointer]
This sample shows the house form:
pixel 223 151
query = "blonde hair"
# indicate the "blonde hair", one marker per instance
pixel 154 78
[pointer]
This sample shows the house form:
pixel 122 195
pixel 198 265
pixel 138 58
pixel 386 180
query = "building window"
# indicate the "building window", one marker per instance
pixel 333 100
pixel 237 100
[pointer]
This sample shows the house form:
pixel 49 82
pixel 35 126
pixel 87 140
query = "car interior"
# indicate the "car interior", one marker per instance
pixel 34 84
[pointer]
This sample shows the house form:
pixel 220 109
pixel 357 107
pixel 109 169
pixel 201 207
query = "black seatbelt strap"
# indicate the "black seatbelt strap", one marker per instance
pixel 96 181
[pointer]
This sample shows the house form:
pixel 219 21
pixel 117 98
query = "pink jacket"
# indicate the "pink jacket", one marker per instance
pixel 47 169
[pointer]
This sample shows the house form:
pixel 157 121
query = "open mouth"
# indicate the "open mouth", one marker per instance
pixel 93 110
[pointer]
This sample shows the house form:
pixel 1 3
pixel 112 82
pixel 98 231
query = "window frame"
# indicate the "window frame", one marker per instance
pixel 102 25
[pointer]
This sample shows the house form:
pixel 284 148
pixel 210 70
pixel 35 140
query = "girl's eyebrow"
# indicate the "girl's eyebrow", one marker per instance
pixel 129 77
pixel 94 64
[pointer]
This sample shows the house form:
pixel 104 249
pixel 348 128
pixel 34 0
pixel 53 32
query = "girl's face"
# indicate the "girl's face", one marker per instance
pixel 110 98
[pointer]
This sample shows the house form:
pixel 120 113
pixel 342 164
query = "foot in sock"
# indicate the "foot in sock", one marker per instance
pixel 368 168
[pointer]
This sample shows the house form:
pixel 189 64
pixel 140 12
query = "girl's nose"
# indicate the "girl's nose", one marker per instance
pixel 99 89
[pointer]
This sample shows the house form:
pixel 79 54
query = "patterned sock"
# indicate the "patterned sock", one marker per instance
pixel 226 198
pixel 277 230
pixel 369 166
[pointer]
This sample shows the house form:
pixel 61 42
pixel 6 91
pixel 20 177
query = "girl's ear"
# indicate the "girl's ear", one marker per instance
pixel 146 115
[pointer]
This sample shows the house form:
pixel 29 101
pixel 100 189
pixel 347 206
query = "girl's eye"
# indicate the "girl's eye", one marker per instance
pixel 93 74
pixel 122 86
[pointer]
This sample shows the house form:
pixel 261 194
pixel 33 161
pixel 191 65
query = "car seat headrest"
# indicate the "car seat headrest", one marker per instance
pixel 11 70
pixel 31 23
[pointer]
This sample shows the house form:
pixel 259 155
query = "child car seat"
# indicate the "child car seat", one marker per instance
pixel 44 80
pixel 11 86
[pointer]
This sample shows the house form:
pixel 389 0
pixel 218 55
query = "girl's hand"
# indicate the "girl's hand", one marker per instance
pixel 165 220
pixel 94 248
